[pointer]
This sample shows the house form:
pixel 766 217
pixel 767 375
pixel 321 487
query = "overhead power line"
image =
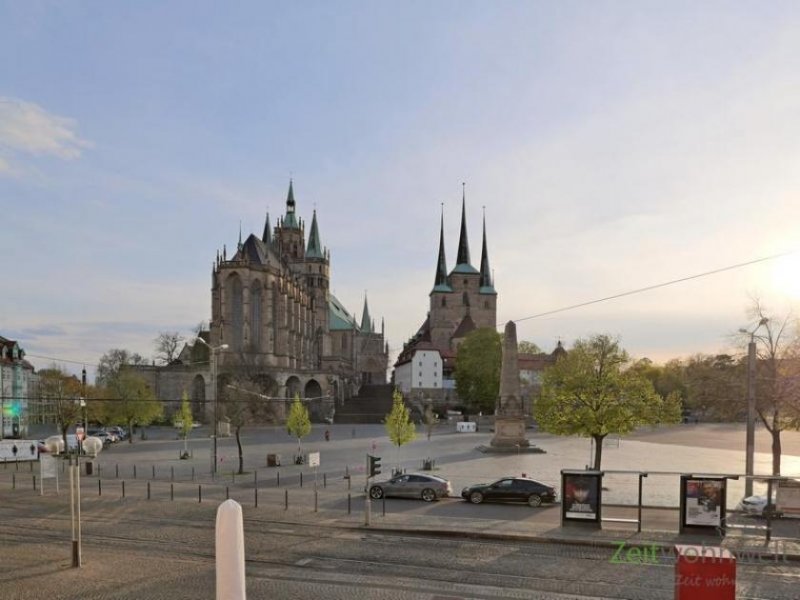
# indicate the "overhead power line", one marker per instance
pixel 654 287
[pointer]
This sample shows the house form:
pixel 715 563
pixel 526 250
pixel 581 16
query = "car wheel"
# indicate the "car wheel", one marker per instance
pixel 428 495
pixel 376 492
pixel 534 500
pixel 476 497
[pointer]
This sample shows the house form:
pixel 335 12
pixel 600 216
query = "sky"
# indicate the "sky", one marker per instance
pixel 612 146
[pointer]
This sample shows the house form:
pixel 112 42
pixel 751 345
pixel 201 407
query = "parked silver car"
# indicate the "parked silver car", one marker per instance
pixel 412 485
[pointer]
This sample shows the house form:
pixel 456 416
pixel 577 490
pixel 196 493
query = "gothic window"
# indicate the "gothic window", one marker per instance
pixel 237 311
pixel 465 299
pixel 466 283
pixel 255 314
pixel 444 300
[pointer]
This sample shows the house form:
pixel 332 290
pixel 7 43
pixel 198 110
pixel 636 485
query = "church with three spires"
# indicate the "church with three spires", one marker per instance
pixel 461 301
pixel 274 321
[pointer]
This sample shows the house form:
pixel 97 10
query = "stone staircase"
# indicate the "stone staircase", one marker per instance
pixel 373 403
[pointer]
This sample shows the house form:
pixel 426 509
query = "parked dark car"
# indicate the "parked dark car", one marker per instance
pixel 414 485
pixel 510 489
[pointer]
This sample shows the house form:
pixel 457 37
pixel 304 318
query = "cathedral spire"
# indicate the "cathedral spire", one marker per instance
pixel 290 221
pixel 267 237
pixel 314 246
pixel 240 235
pixel 441 263
pixel 463 243
pixel 486 284
pixel 366 322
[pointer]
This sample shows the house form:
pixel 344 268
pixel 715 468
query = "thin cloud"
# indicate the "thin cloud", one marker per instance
pixel 28 129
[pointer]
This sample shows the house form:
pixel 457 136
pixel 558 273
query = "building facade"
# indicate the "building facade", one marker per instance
pixel 274 319
pixel 17 386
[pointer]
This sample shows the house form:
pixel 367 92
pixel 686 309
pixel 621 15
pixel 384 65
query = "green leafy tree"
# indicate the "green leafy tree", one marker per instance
pixel 477 371
pixel 298 423
pixel 184 419
pixel 399 426
pixel 526 347
pixel 131 401
pixel 592 392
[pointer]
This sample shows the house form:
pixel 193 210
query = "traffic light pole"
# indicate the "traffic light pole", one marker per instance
pixel 367 503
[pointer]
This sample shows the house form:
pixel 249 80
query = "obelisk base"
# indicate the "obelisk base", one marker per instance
pixel 509 432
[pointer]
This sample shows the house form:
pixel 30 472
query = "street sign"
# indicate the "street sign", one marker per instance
pixel 313 459
pixel 48 466
pixel 79 433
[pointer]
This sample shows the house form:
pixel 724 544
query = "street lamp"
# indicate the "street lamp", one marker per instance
pixel 751 407
pixel 214 350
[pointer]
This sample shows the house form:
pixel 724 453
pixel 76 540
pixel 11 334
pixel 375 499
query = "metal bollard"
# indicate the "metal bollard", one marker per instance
pixel 154 472
pixel 13 481
pixel 301 479
pixel 172 491
pixel 227 493
pixel 123 488
pixel 348 504
pixel 34 483
pixel 172 473
pixel 286 499
pixel 192 473
pixel 324 480
pixel 316 503
pixel 384 505
pixel 199 493
pixel 349 479
pixel 134 471
pixel 255 490
pixel 99 487
pixel 117 472
pixel 278 484
pixel 148 490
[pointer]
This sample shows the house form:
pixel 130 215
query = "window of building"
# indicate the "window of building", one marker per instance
pixel 444 300
pixel 435 384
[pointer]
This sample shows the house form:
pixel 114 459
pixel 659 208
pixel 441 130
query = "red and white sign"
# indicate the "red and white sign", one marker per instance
pixel 79 433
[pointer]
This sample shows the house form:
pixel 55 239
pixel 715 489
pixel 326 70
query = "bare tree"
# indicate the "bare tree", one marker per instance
pixel 777 376
pixel 63 392
pixel 167 346
pixel 112 361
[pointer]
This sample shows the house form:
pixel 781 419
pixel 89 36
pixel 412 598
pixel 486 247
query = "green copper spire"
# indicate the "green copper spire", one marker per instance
pixel 290 221
pixel 441 284
pixel 462 259
pixel 366 322
pixel 314 246
pixel 486 285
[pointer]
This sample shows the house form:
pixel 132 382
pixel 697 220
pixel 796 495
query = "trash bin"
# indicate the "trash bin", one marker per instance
pixel 427 464
pixel 704 573
pixel 273 460
pixel 89 467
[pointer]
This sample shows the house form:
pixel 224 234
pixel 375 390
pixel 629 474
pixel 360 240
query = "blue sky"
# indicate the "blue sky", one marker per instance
pixel 614 145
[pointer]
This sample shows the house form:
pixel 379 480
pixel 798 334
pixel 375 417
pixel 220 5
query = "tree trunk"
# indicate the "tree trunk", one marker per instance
pixel 130 432
pixel 241 453
pixel 776 451
pixel 598 450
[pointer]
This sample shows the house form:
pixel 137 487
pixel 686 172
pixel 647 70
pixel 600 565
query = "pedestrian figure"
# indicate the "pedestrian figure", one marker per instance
pixel 374 446
pixel 327 435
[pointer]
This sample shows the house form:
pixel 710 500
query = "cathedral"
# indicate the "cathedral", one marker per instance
pixel 274 317
pixel 461 301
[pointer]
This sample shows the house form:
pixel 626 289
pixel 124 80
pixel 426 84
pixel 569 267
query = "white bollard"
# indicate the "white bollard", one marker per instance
pixel 230 552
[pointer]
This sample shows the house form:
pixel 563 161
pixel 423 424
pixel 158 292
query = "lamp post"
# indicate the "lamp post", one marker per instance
pixel 751 408
pixel 214 350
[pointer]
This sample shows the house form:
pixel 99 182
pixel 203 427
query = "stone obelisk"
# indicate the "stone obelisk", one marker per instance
pixel 509 425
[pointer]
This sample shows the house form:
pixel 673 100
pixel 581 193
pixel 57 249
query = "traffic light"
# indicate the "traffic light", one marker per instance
pixel 374 465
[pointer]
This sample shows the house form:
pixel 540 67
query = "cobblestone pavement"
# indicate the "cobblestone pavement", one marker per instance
pixel 133 548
